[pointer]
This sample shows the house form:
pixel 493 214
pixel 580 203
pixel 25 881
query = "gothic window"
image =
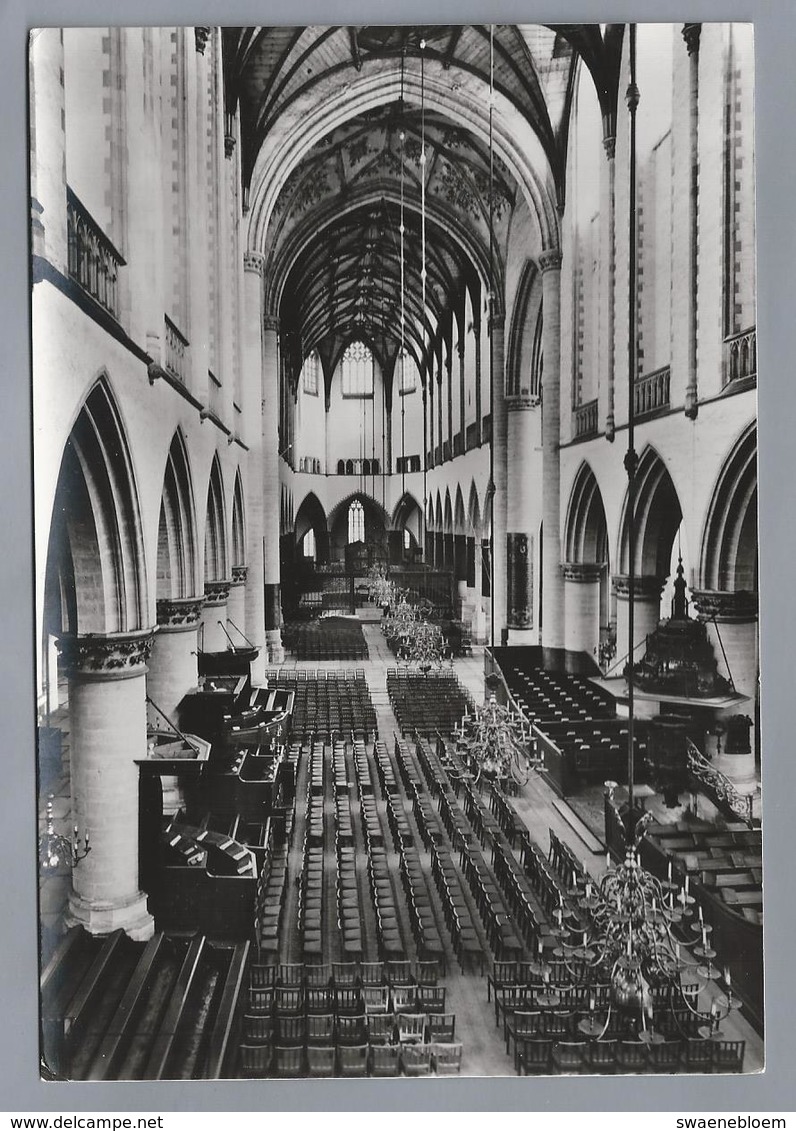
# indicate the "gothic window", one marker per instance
pixel 311 374
pixel 356 522
pixel 407 373
pixel 308 548
pixel 357 371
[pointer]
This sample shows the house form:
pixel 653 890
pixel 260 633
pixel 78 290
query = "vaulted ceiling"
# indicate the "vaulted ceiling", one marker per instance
pixel 334 243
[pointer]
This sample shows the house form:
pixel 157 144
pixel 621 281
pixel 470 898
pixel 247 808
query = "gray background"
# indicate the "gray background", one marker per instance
pixel 20 1088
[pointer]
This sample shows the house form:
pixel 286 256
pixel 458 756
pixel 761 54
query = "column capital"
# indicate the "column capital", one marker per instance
pixel 741 605
pixel 239 574
pixel 271 322
pixel 179 614
pixel 691 34
pixel 646 586
pixel 253 261
pixel 517 402
pixel 201 34
pixel 217 592
pixel 105 656
pixel 582 572
pixel 550 260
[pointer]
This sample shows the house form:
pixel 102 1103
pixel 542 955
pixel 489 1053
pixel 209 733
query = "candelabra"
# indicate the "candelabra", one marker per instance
pixel 620 931
pixel 55 850
pixel 496 741
pixel 382 590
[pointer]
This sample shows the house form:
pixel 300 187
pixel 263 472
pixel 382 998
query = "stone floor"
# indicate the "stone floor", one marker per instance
pixel 538 805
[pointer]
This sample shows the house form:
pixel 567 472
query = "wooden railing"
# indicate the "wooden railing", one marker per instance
pixel 92 260
pixel 740 356
pixel 174 361
pixel 651 392
pixel 585 418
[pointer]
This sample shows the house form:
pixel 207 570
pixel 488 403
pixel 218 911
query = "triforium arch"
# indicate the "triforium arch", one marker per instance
pixel 238 524
pixel 407 515
pixel 178 564
pixel 474 512
pixel 729 542
pixel 586 532
pixel 96 577
pixel 216 556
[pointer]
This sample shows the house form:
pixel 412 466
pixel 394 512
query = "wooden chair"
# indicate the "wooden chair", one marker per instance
pixel 399 972
pixel 665 1056
pixel 353 1060
pixel 380 1028
pixel 320 1029
pixel 569 1057
pixel 289 1061
pixel 403 999
pixel 427 972
pixel 255 1061
pixel 430 999
pixel 345 974
pixel 290 1029
pixel 261 1001
pixel 446 1059
pixel 698 1055
pixel 376 999
pixel 320 999
pixel 351 1029
pixel 411 1027
pixel 258 1030
pixel 520 1025
pixel 320 1060
pixel 728 1056
pixel 371 973
pixel 532 1056
pixel 503 974
pixel 385 1060
pixel 632 1056
pixel 262 975
pixel 290 974
pixel 601 1057
pixel 441 1027
pixel 416 1059
pixel 288 999
pixel 317 975
pixel 347 999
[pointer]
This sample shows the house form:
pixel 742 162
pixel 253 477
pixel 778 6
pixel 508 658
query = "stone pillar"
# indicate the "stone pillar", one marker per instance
pixel 172 663
pixel 212 637
pixel 582 607
pixel 449 369
pixel 608 205
pixel 647 611
pixel 48 145
pixel 691 35
pixel 478 627
pixel 196 212
pixel 732 630
pixel 327 433
pixel 252 397
pixel 552 580
pixel 236 604
pixel 462 395
pixel 500 477
pixel 270 421
pixel 478 393
pixel 523 430
pixel 107 712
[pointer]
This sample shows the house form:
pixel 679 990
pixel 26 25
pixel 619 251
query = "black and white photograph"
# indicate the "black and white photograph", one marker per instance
pixel 394 397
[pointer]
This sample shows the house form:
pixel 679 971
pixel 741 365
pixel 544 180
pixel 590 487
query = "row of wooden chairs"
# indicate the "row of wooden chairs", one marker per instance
pixel 327 1028
pixel 543 1055
pixel 396 972
pixel 258 1061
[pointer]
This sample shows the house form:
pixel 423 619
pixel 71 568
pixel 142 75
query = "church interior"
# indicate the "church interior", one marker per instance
pixel 395 488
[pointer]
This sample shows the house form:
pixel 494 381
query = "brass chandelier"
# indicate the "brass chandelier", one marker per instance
pixel 496 742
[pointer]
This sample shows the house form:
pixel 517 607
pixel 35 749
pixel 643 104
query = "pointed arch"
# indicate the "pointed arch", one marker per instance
pixel 438 515
pixel 95 572
pixel 310 516
pixel 522 377
pixel 407 516
pixel 474 511
pixel 216 559
pixel 586 531
pixel 238 524
pixel 459 522
pixel 728 559
pixel 658 515
pixel 448 517
pixel 177 572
